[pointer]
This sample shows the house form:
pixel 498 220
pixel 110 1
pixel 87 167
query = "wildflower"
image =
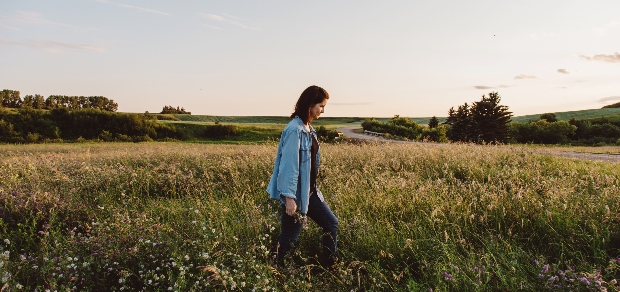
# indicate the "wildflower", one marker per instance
pixel 447 276
pixel 545 269
pixel 186 257
pixel 584 280
pixel 19 286
pixel 7 242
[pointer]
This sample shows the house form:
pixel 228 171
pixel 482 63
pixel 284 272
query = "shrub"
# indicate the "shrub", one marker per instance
pixel 220 131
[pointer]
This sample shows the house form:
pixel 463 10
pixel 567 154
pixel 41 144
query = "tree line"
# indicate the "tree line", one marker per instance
pixel 172 110
pixel 28 125
pixel 488 121
pixel 12 99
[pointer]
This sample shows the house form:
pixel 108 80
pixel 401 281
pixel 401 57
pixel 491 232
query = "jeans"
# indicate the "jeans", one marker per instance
pixel 320 213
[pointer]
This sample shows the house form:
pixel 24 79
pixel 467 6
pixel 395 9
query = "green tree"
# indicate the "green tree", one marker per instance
pixel 490 120
pixel 542 132
pixel 460 123
pixel 433 122
pixel 10 98
pixel 549 117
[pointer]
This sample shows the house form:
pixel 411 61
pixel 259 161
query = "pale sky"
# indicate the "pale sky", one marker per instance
pixel 375 58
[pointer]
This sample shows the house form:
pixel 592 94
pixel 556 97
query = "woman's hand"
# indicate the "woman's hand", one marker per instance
pixel 291 206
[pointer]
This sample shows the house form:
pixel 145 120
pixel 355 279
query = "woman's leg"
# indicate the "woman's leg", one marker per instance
pixel 288 235
pixel 320 213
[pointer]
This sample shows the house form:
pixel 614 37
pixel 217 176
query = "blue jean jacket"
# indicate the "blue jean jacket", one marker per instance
pixel 291 171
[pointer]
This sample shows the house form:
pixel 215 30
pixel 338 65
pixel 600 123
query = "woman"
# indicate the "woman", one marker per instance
pixel 293 181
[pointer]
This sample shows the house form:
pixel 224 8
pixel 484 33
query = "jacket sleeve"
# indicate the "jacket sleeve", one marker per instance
pixel 288 174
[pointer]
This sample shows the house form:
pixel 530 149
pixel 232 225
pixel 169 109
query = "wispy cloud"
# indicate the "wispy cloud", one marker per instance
pixel 350 103
pixel 524 76
pixel 611 58
pixel 563 71
pixel 492 87
pixel 27 18
pixel 228 19
pixel 609 98
pixel 142 9
pixel 54 46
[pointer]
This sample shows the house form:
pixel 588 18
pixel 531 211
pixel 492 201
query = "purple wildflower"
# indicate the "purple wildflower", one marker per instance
pixel 447 276
pixel 584 280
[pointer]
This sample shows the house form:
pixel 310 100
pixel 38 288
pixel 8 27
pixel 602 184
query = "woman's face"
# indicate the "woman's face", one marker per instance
pixel 316 110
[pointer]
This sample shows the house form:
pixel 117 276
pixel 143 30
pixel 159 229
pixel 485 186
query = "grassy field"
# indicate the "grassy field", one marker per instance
pixel 196 217
pixel 612 113
pixel 282 120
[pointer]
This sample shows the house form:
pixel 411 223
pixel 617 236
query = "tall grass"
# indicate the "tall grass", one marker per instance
pixel 189 217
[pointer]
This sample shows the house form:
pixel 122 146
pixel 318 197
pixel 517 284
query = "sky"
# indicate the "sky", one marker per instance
pixel 374 58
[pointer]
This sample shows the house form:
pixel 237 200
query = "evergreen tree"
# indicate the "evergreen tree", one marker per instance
pixel 490 120
pixel 460 123
pixel 433 122
pixel 486 121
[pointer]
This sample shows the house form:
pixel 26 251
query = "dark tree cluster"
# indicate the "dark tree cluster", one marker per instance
pixel 326 135
pixel 485 121
pixel 172 110
pixel 615 105
pixel 405 128
pixel 29 125
pixel 12 99
pixel 549 130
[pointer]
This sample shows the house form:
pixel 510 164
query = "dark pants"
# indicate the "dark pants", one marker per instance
pixel 320 213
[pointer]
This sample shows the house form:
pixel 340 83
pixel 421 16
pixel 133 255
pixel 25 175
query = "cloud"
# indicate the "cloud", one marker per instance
pixel 350 103
pixel 523 76
pixel 612 58
pixel 492 87
pixel 54 46
pixel 22 18
pixel 609 98
pixel 227 18
pixel 148 10
pixel 563 71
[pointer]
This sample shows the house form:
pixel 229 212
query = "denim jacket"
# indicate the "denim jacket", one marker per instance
pixel 291 171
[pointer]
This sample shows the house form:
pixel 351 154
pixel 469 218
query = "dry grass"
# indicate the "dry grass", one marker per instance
pixel 190 217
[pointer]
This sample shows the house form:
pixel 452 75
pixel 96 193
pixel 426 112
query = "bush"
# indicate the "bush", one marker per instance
pixel 326 135
pixel 542 131
pixel 437 134
pixel 220 131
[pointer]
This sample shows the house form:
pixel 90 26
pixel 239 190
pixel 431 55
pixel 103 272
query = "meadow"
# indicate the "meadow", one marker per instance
pixel 413 217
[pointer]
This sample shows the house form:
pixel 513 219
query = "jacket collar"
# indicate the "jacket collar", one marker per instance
pixel 301 124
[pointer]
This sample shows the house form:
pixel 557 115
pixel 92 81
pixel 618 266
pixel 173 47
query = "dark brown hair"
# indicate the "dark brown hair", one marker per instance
pixel 311 96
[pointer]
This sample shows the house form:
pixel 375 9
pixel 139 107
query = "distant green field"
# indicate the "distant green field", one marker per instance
pixel 323 121
pixel 264 120
pixel 611 113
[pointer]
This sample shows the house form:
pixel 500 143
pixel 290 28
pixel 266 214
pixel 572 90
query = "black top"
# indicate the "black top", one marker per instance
pixel 313 152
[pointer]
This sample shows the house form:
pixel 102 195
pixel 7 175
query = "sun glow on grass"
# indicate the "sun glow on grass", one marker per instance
pixel 195 217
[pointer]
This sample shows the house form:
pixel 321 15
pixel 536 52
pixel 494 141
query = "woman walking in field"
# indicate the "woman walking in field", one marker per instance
pixel 293 181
